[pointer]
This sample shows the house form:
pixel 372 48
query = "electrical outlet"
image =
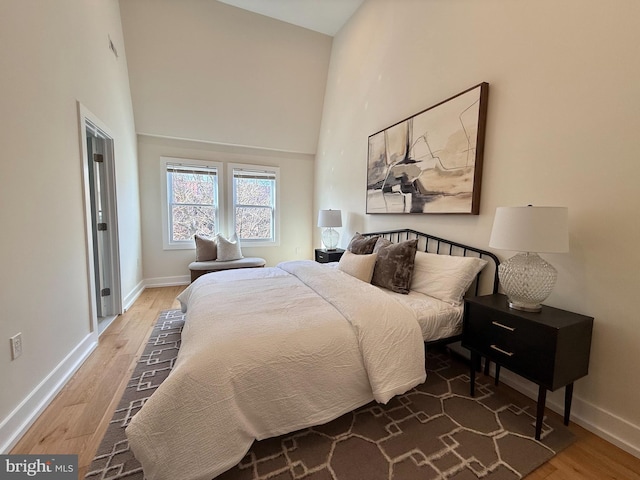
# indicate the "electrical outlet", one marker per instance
pixel 16 345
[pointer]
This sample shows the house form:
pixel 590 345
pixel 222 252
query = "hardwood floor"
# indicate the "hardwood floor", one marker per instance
pixel 77 418
pixel 75 422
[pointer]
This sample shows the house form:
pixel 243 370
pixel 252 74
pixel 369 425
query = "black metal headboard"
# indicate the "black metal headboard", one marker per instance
pixel 487 280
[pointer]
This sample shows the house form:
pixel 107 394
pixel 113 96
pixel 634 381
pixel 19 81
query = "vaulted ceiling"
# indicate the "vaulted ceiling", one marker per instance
pixel 324 16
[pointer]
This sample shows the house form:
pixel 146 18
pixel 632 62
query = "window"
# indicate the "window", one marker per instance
pixel 254 215
pixel 190 204
pixel 194 202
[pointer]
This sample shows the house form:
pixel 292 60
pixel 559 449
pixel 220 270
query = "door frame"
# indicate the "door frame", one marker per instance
pixel 86 119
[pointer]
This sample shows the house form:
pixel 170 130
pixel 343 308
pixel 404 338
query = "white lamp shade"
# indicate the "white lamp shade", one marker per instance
pixel 531 229
pixel 330 218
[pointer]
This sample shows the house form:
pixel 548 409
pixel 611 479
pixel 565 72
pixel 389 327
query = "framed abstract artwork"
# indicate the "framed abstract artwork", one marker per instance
pixel 430 162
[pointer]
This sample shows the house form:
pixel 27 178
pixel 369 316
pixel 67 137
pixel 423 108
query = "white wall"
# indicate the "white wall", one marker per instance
pixel 211 81
pixel 164 267
pixel 206 71
pixel 53 54
pixel 562 129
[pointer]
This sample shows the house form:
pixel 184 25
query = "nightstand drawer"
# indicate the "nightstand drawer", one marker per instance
pixel 549 347
pixel 326 256
pixel 322 257
pixel 515 343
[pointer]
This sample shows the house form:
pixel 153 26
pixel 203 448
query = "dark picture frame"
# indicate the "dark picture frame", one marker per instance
pixel 430 162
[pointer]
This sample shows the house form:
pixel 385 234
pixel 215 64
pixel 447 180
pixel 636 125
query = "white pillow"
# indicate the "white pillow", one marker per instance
pixel 359 266
pixel 228 249
pixel 445 277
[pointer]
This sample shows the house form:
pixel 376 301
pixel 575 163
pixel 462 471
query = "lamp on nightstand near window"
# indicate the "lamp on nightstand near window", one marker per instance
pixel 526 278
pixel 329 219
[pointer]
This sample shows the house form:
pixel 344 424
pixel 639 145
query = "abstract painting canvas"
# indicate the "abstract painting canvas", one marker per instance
pixel 430 162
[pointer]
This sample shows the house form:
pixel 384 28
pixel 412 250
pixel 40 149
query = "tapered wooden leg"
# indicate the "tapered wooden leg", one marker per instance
pixel 475 358
pixel 477 363
pixel 542 398
pixel 497 374
pixel 568 396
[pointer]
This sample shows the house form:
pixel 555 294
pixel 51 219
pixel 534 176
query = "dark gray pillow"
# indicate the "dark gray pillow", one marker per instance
pixel 394 266
pixel 382 242
pixel 361 245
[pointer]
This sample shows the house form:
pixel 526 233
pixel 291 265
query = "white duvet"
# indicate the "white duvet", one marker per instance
pixel 266 352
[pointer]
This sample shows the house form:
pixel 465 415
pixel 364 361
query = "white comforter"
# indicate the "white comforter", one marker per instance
pixel 266 352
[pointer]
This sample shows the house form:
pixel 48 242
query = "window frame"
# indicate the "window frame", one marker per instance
pixel 165 162
pixel 259 169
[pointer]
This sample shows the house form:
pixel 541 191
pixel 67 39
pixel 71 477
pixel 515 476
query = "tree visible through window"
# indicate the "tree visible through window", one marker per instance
pixel 254 203
pixel 192 193
pixel 195 202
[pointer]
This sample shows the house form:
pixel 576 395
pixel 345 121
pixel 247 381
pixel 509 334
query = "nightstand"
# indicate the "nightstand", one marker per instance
pixel 326 256
pixel 550 348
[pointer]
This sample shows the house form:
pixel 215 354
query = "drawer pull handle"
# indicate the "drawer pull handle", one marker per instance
pixel 509 354
pixel 498 324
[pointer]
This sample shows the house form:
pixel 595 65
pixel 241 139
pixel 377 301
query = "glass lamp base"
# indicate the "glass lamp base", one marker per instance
pixel 330 238
pixel 527 280
pixel 525 307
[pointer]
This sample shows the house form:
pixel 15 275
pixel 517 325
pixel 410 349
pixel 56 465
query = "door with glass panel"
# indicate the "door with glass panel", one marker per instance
pixel 102 220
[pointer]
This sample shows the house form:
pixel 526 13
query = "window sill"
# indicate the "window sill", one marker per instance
pixel 179 246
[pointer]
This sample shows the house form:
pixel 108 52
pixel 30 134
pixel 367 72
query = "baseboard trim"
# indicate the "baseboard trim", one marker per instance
pixel 167 281
pixel 151 283
pixel 604 424
pixel 618 431
pixel 133 296
pixel 24 415
pixel 27 412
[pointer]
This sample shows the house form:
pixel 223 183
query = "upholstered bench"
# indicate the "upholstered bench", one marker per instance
pixel 200 268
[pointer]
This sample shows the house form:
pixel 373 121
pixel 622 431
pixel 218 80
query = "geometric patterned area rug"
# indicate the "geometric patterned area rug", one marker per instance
pixel 434 431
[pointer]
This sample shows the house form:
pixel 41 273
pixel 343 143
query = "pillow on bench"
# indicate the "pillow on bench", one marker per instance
pixel 228 249
pixel 206 248
pixel 220 253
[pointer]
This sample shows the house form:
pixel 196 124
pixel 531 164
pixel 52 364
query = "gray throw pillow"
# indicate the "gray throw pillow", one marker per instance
pixel 361 245
pixel 394 266
pixel 206 249
pixel 382 242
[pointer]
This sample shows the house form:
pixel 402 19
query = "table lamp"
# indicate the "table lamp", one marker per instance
pixel 329 219
pixel 526 278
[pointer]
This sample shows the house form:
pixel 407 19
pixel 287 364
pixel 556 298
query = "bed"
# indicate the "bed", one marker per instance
pixel 438 312
pixel 269 351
